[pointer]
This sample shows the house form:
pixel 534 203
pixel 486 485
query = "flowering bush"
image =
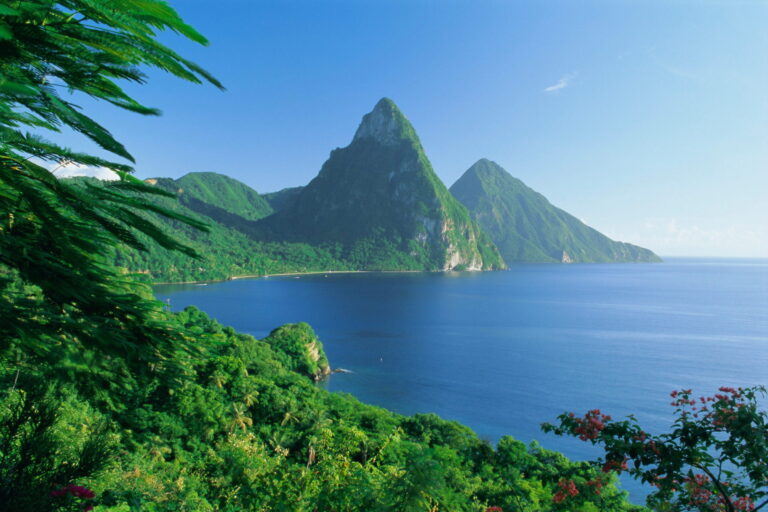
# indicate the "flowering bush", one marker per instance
pixel 72 492
pixel 715 459
pixel 566 488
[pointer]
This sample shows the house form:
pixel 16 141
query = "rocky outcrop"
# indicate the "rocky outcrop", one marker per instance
pixel 317 355
pixel 299 349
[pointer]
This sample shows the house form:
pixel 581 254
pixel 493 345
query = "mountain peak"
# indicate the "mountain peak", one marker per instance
pixel 485 166
pixel 385 124
pixel 482 175
pixel 379 203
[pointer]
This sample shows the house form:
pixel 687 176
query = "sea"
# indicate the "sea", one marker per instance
pixel 503 352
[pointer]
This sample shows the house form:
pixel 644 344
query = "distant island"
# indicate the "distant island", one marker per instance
pixel 376 205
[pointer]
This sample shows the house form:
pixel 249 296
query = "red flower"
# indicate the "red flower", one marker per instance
pixel 78 491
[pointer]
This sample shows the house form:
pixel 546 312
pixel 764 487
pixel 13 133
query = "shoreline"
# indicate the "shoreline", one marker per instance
pixel 288 274
pixel 316 272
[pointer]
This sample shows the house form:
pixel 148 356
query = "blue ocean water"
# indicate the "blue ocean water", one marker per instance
pixel 505 351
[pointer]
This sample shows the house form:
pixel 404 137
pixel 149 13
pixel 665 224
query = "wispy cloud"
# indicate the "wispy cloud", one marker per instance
pixel 564 82
pixel 71 170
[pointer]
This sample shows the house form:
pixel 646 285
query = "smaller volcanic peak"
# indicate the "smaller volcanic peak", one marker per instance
pixel 526 227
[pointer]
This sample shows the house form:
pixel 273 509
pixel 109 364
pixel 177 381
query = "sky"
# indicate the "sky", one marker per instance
pixel 646 119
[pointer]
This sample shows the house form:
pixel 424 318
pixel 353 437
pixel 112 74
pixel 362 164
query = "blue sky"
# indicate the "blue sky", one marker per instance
pixel 646 119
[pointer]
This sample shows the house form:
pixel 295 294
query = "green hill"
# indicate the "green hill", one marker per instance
pixel 209 191
pixel 380 205
pixel 226 249
pixel 526 227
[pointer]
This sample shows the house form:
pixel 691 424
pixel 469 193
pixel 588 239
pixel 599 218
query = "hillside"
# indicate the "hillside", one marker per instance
pixel 526 227
pixel 209 190
pixel 380 205
pixel 225 249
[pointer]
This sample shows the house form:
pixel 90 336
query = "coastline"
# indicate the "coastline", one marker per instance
pixel 288 274
pixel 316 272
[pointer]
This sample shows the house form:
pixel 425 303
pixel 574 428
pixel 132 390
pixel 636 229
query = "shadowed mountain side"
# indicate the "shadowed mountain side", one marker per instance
pixel 282 199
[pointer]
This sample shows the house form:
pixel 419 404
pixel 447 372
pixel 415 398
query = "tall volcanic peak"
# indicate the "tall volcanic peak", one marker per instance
pixel 380 205
pixel 526 227
pixel 385 124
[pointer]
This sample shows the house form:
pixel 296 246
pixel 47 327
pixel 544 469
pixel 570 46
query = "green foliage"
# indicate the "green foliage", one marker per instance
pixel 221 251
pixel 82 46
pixel 712 460
pixel 299 350
pixel 527 228
pixel 50 232
pixel 47 439
pixel 224 253
pixel 210 192
pixel 246 428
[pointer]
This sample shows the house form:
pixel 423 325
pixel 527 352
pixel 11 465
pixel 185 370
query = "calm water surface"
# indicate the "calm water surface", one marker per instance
pixel 503 352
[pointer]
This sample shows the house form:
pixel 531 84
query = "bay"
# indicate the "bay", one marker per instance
pixel 503 352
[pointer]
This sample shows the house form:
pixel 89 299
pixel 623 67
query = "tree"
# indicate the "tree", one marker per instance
pixel 54 236
pixel 714 459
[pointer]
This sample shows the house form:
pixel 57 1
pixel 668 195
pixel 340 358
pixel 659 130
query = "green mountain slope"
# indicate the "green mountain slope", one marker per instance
pixel 201 190
pixel 381 206
pixel 526 227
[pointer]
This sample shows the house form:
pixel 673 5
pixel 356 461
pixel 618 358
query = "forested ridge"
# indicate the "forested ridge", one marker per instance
pixel 225 249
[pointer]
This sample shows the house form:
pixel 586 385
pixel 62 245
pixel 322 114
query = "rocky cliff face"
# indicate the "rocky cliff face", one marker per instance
pixel 317 356
pixel 379 202
pixel 526 227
